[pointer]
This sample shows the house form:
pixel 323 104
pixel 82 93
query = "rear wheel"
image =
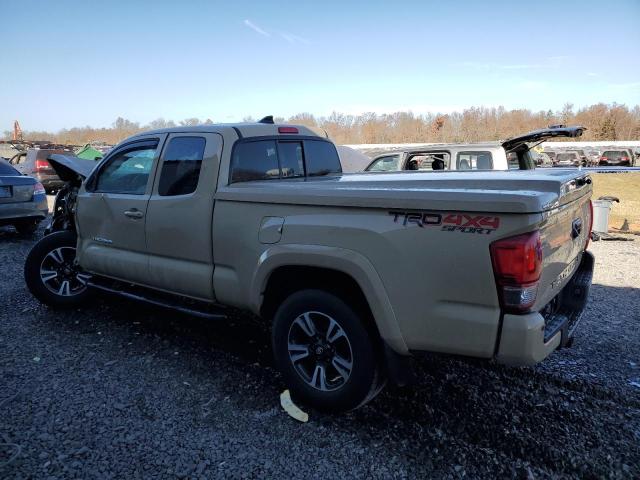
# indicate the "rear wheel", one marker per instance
pixel 26 227
pixel 324 351
pixel 50 272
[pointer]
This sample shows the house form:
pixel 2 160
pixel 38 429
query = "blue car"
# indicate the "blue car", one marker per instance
pixel 23 201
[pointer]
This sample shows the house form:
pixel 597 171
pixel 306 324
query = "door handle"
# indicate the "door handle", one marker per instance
pixel 134 213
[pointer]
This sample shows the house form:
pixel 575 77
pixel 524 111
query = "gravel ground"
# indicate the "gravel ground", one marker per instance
pixel 120 390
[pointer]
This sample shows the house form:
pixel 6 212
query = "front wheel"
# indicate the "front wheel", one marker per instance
pixel 50 272
pixel 324 351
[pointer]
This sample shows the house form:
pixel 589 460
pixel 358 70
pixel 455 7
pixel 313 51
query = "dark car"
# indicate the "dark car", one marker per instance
pixel 618 158
pixel 34 162
pixel 23 201
pixel 584 159
pixel 568 159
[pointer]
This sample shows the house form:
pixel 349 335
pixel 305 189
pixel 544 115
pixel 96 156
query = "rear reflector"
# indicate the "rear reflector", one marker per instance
pixel 38 189
pixel 517 264
pixel 287 130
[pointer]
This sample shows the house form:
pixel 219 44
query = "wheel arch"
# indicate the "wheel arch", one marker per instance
pixel 284 269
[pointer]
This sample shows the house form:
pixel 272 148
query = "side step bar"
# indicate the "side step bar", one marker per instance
pixel 148 296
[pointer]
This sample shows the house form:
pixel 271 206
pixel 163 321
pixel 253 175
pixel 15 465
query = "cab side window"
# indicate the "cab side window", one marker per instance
pixel 127 171
pixel 181 166
pixel 255 161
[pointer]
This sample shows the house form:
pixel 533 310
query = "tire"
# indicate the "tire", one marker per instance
pixel 327 356
pixel 50 274
pixel 27 227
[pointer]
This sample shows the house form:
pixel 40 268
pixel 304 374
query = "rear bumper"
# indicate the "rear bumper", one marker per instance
pixel 11 212
pixel 49 180
pixel 530 338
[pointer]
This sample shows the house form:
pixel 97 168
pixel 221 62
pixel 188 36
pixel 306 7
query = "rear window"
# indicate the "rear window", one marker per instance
pixel 269 159
pixel 614 154
pixel 321 158
pixel 566 156
pixel 8 170
pixel 480 160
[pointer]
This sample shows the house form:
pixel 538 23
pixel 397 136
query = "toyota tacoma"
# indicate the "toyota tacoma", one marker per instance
pixel 354 273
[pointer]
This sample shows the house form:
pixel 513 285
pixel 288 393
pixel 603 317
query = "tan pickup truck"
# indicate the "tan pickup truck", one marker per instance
pixel 354 272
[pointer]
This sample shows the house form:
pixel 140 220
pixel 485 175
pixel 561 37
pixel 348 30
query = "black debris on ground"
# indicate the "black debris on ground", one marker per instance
pixel 122 390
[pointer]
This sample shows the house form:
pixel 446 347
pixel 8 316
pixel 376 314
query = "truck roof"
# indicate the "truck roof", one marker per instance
pixel 255 129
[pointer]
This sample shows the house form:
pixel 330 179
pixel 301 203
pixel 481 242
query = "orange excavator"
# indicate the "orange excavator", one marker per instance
pixel 17 131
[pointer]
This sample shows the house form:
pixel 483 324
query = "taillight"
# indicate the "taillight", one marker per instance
pixel 38 189
pixel 517 264
pixel 586 245
pixel 42 165
pixel 624 159
pixel 604 159
pixel 287 130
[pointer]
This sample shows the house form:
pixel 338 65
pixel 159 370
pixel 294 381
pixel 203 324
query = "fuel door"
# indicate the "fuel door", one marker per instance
pixel 271 230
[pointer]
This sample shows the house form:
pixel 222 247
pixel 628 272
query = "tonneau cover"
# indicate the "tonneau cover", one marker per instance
pixel 524 191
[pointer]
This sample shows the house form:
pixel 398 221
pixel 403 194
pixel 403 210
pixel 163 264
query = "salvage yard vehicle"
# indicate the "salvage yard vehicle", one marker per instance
pixel 568 159
pixel 511 154
pixel 617 158
pixel 23 201
pixel 34 162
pixel 353 272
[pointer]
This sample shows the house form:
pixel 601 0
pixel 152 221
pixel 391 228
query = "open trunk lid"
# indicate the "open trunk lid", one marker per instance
pixel 554 131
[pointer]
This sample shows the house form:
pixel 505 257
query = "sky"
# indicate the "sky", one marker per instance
pixel 73 63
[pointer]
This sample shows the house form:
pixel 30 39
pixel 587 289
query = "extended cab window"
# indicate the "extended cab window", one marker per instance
pixel 255 161
pixel 127 171
pixel 321 158
pixel 474 161
pixel 181 166
pixel 267 159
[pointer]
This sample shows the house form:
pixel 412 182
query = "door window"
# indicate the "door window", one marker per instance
pixel 385 164
pixel 127 171
pixel 181 166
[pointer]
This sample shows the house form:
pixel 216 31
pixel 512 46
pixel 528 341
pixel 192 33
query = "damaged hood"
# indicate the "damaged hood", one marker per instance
pixel 69 167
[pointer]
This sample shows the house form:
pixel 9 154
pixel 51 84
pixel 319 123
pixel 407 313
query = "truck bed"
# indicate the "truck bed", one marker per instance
pixel 482 191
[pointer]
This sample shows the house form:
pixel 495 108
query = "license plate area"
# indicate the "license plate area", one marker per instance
pixel 5 192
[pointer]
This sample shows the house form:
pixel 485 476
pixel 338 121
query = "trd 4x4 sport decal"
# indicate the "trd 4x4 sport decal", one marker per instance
pixel 449 222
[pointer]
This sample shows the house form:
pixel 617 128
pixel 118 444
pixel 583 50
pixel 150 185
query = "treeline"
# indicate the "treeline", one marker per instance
pixel 603 122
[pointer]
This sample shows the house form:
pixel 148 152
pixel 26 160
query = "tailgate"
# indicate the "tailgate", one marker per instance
pixel 564 234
